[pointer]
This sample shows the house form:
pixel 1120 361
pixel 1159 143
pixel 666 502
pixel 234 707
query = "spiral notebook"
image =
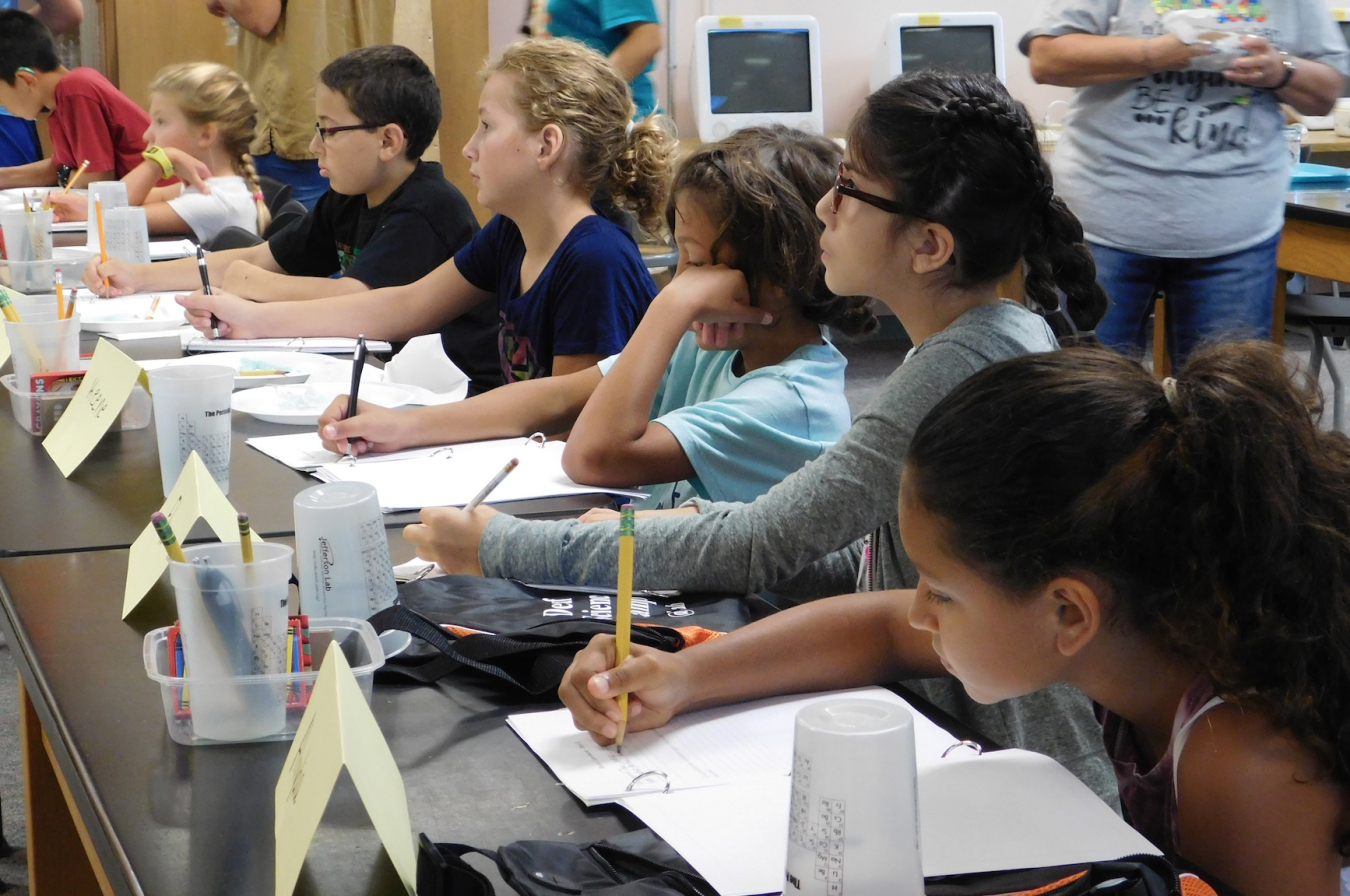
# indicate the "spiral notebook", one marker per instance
pixel 716 785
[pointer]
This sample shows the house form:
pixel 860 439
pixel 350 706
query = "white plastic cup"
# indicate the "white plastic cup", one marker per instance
pixel 113 194
pixel 192 413
pixel 42 343
pixel 28 235
pixel 128 234
pixel 233 618
pixel 342 553
pixel 854 822
pixel 1340 117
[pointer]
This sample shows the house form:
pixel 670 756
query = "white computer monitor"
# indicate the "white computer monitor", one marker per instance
pixel 755 70
pixel 956 41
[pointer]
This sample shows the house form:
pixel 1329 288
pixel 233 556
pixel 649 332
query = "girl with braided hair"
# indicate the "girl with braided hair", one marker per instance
pixel 1178 170
pixel 942 193
pixel 202 117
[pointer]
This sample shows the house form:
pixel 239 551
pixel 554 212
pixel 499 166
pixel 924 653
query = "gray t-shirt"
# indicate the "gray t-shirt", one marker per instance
pixel 1180 164
pixel 803 537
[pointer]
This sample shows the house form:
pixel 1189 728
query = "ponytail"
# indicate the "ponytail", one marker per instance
pixel 1213 506
pixel 250 172
pixel 640 175
pixel 960 151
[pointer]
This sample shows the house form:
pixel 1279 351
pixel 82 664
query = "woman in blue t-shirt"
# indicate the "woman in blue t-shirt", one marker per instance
pixel 627 31
pixel 719 415
pixel 554 127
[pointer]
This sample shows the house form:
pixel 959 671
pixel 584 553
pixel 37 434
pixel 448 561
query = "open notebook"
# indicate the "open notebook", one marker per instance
pixel 730 789
pixel 450 476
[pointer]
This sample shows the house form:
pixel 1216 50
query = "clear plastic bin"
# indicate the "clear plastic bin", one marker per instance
pixel 40 276
pixel 38 412
pixel 356 638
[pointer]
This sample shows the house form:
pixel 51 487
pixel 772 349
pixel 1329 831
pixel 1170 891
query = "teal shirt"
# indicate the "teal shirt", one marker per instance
pixel 745 434
pixel 599 24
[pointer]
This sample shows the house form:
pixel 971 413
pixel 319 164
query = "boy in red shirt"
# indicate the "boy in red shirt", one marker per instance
pixel 89 117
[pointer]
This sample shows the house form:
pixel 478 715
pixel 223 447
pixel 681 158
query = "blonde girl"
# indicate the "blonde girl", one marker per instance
pixel 201 122
pixel 569 286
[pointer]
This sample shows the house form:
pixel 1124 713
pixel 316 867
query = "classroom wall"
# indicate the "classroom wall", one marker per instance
pixel 850 32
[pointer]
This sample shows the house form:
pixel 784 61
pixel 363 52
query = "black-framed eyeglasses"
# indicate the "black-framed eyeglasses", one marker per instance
pixel 324 133
pixel 844 186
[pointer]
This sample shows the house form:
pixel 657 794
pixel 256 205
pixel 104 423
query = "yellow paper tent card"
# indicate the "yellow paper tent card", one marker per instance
pixel 106 386
pixel 195 496
pixel 339 730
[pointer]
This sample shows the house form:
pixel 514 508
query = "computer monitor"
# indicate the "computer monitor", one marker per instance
pixel 956 41
pixel 755 70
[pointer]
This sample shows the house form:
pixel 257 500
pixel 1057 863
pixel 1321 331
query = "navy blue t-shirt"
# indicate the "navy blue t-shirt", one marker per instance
pixel 587 300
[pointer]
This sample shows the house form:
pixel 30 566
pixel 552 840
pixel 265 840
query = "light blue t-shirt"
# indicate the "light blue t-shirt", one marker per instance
pixel 599 25
pixel 745 434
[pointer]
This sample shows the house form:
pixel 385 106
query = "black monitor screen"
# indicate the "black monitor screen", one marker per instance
pixel 759 71
pixel 960 48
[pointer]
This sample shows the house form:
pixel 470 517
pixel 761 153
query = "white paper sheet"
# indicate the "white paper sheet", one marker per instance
pixel 726 745
pixel 163 250
pixel 1001 811
pixel 452 476
pixel 194 341
pixel 304 451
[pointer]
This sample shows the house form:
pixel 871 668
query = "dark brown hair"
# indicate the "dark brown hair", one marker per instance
pixel 958 150
pixel 760 187
pixel 1220 519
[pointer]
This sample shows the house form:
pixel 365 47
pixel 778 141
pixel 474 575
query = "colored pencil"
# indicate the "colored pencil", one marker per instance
pixel 623 612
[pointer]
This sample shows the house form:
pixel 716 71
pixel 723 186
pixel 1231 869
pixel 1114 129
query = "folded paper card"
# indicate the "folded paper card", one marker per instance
pixel 195 496
pixel 106 386
pixel 339 730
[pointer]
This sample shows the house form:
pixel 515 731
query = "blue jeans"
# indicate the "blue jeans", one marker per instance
pixel 1208 299
pixel 303 176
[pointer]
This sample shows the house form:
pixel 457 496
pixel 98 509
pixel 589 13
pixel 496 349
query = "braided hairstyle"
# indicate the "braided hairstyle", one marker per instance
pixel 761 185
pixel 958 150
pixel 1231 551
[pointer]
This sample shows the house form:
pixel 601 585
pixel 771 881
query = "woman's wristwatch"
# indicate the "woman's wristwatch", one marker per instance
pixel 1289 68
pixel 157 155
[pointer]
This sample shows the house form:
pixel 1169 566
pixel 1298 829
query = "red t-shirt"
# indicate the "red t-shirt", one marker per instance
pixel 94 120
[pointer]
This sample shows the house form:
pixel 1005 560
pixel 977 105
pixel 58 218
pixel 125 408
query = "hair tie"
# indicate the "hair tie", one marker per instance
pixel 258 196
pixel 1169 387
pixel 628 131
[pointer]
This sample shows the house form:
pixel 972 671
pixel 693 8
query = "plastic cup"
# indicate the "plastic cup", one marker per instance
pixel 42 343
pixel 233 618
pixel 854 822
pixel 1293 135
pixel 342 555
pixel 192 413
pixel 28 235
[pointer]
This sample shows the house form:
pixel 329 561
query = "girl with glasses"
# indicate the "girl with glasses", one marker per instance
pixel 965 200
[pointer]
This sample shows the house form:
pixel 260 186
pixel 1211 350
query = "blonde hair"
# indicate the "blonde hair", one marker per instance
pixel 563 82
pixel 210 93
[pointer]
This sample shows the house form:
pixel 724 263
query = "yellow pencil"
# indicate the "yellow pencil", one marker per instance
pixel 166 537
pixel 245 538
pixel 61 311
pixel 11 313
pixel 154 306
pixel 70 181
pixel 276 372
pixel 623 612
pixel 102 240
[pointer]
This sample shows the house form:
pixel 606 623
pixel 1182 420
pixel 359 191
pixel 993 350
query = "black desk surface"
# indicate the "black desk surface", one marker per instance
pixel 167 819
pixel 1326 206
pixel 108 500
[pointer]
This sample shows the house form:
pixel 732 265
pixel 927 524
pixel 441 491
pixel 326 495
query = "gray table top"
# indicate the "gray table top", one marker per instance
pixel 168 819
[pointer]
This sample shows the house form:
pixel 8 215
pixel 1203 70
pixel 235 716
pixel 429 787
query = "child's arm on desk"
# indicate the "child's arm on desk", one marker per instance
pixel 840 642
pixel 162 276
pixel 264 283
pixel 41 173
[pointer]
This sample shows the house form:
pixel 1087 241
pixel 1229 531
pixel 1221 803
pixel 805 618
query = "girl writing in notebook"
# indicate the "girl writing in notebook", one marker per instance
pixel 570 286
pixel 1074 520
pixel 942 193
pixel 718 421
pixel 201 123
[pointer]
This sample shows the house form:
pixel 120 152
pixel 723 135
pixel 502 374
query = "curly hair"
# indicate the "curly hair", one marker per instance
pixel 958 150
pixel 1220 519
pixel 761 184
pixel 210 93
pixel 564 82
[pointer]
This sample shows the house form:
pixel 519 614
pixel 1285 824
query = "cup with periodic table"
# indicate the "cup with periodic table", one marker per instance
pixel 342 552
pixel 192 413
pixel 853 827
pixel 233 618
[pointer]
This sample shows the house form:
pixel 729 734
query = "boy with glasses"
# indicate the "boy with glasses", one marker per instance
pixel 387 219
